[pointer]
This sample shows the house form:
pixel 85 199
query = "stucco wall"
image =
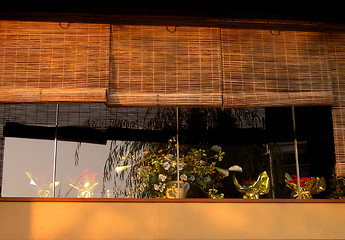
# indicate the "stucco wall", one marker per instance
pixel 171 220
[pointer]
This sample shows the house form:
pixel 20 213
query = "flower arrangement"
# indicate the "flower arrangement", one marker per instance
pixel 308 185
pixel 157 175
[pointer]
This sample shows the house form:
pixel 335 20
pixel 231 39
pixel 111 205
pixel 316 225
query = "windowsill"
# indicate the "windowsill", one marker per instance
pixel 153 200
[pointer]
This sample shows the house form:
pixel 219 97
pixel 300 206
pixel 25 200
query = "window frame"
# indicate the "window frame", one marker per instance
pixel 56 139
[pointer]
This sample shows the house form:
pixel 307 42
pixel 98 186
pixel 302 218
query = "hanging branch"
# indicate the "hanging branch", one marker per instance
pixel 76 154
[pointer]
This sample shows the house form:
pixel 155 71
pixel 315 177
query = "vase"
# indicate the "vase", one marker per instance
pixel 172 190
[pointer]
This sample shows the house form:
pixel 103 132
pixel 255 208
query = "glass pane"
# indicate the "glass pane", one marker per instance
pixel 87 170
pixel 28 168
pixel 80 169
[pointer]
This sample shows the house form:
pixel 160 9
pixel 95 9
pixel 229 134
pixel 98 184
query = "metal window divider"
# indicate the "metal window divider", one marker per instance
pixel 55 149
pixel 178 154
pixel 296 152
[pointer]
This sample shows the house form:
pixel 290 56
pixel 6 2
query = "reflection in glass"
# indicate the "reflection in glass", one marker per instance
pixel 85 184
pixel 82 178
pixel 27 167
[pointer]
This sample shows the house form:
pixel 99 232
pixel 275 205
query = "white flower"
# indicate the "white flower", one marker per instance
pixel 156 187
pixel 192 178
pixel 166 165
pixel 162 177
pixel 159 187
pixel 183 177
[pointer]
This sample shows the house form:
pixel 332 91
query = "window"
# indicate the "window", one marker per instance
pixel 103 152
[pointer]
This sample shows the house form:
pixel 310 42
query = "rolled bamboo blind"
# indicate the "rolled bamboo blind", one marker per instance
pixel 165 66
pixel 272 68
pixel 195 66
pixel 162 66
pixel 53 62
pixel 337 65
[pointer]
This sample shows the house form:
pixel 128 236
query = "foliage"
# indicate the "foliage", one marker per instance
pixel 337 187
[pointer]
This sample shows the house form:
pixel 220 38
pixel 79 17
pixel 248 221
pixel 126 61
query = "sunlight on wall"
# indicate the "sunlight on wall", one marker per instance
pixel 135 220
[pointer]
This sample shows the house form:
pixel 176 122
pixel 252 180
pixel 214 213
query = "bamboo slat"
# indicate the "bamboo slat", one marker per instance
pixel 164 99
pixel 337 65
pixel 51 95
pixel 37 56
pixel 274 99
pixel 165 66
pixel 275 68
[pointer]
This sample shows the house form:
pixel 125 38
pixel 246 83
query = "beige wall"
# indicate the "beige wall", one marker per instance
pixel 171 220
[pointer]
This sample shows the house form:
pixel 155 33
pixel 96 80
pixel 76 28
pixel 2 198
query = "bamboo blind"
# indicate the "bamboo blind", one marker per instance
pixel 161 66
pixel 165 66
pixel 53 62
pixel 337 64
pixel 195 66
pixel 266 68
